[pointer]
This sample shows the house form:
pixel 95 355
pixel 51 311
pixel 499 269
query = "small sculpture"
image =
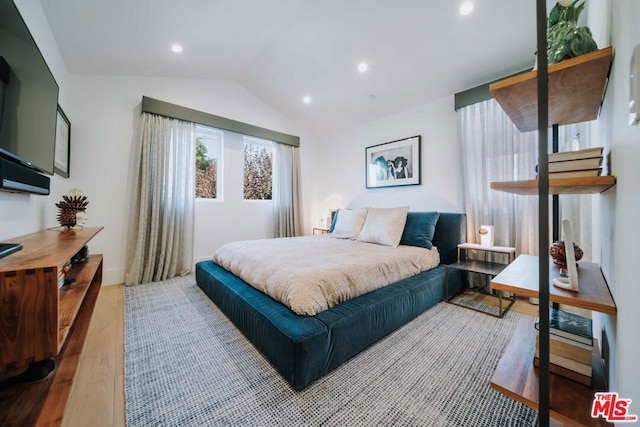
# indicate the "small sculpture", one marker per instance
pixel 71 209
pixel 559 253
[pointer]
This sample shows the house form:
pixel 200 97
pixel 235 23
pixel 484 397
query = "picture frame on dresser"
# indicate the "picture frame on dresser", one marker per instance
pixel 63 144
pixel 393 164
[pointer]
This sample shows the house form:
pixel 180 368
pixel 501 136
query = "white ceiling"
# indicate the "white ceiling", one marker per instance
pixel 281 50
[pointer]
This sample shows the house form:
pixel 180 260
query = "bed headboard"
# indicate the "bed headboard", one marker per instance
pixel 451 229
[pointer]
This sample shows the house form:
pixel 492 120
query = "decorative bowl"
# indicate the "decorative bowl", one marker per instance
pixel 559 254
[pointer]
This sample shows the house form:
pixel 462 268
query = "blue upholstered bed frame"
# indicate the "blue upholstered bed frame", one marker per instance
pixel 304 348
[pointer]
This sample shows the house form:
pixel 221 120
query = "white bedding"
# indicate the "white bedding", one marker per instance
pixel 313 273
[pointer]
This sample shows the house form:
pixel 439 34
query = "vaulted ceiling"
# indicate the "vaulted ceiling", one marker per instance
pixel 282 50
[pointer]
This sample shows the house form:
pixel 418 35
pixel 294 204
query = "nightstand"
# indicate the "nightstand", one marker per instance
pixel 319 230
pixel 482 267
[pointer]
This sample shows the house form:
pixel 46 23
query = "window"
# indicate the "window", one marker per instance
pixel 208 162
pixel 258 169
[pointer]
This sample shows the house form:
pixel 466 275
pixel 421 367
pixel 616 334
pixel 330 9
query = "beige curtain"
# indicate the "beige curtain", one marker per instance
pixel 286 191
pixel 161 243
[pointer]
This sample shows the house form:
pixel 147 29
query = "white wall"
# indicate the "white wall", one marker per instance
pixel 341 177
pixel 104 114
pixel 619 207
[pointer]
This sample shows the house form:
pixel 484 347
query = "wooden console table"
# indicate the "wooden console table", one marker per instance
pixel 39 320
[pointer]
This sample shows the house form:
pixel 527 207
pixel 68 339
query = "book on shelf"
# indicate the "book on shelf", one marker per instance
pixel 585 173
pixel 567 373
pixel 574 155
pixel 572 365
pixel 570 325
pixel 61 278
pixel 577 164
pixel 558 338
pixel 570 351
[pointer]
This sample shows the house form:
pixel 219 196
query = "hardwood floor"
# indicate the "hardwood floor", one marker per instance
pixel 97 395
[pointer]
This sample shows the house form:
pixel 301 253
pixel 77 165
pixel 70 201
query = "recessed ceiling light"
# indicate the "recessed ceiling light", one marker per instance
pixel 176 48
pixel 306 100
pixel 466 8
pixel 363 67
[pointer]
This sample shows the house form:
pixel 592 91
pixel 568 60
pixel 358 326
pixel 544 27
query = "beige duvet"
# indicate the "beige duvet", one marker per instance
pixel 313 273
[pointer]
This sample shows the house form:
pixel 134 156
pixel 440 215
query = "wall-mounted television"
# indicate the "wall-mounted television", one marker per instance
pixel 29 97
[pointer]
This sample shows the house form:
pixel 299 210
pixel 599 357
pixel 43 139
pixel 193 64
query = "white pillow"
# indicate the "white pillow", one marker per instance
pixel 384 226
pixel 349 223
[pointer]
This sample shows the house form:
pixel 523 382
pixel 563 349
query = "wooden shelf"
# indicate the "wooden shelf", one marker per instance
pixel 576 89
pixel 47 248
pixel 72 296
pixel 588 185
pixel 41 321
pixel 521 278
pixel 515 376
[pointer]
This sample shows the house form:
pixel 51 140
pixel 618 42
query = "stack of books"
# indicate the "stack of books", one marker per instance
pixel 61 277
pixel 570 346
pixel 62 274
pixel 576 164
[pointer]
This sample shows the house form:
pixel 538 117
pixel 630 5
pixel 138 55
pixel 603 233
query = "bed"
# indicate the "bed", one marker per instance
pixel 301 347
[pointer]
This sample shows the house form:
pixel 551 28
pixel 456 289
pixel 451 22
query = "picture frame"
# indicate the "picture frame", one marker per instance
pixel 393 164
pixel 63 144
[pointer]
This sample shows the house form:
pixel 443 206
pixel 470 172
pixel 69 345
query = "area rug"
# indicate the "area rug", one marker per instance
pixel 187 365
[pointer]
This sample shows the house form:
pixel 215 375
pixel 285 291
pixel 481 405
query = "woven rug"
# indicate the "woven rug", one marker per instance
pixel 464 299
pixel 186 364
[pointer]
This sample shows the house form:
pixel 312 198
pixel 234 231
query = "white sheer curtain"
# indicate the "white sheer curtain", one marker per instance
pixel 161 244
pixel 286 191
pixel 494 150
pixel 577 207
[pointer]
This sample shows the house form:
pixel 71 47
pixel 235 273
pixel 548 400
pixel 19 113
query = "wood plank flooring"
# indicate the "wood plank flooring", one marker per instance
pixel 97 396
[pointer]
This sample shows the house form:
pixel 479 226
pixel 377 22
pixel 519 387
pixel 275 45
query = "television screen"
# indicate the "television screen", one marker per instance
pixel 29 97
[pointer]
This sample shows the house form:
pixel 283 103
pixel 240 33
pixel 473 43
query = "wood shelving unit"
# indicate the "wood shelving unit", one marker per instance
pixel 40 321
pixel 576 89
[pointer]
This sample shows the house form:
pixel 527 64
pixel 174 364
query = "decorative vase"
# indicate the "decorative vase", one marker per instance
pixel 559 255
pixel 565 39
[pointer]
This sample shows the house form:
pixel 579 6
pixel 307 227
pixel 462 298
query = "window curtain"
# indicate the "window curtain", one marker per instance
pixel 577 208
pixel 286 191
pixel 493 149
pixel 161 244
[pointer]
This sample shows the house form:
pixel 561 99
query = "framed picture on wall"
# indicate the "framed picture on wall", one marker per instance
pixel 393 163
pixel 63 144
